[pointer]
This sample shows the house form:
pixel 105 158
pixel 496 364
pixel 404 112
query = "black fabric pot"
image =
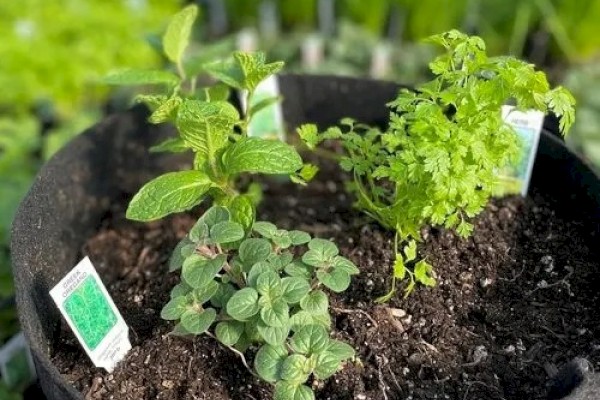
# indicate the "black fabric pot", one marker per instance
pixel 110 161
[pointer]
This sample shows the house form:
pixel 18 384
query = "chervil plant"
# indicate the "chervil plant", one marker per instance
pixel 436 163
pixel 254 288
pixel 209 126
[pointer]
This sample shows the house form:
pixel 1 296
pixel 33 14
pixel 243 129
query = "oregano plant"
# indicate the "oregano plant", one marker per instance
pixel 263 287
pixel 436 162
pixel 209 126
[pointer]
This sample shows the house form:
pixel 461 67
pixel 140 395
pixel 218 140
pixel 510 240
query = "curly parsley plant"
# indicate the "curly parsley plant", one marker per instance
pixel 437 161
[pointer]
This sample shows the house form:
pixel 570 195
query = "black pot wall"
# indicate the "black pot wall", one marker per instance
pixel 110 161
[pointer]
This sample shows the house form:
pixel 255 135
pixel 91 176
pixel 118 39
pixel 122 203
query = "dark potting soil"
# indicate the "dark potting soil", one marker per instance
pixel 515 299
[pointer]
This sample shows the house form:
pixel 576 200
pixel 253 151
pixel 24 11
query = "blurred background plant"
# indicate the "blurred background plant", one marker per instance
pixel 52 52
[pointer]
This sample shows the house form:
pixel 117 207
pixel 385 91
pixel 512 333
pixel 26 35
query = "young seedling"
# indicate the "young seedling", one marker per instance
pixel 209 126
pixel 258 288
pixel 437 161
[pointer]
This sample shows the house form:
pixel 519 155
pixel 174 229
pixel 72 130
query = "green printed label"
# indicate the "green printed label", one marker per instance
pixel 88 309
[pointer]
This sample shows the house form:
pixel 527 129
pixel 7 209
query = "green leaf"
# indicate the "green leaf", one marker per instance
pixel 198 272
pixel 244 70
pixel 295 368
pixel 167 111
pixel 256 155
pixel 345 265
pixel 198 322
pixel 179 330
pixel 243 304
pixel 422 272
pixel 133 77
pixel 268 362
pixel 310 339
pixel 227 232
pixel 257 270
pixel 320 252
pixel 294 289
pixel 205 127
pixel 174 308
pixel 176 38
pixel 269 284
pixel 181 289
pixel 399 267
pixel 264 103
pixel 224 293
pixel 337 280
pixel 177 257
pixel 172 145
pixel 410 251
pixel 315 302
pixel 242 211
pixel 298 269
pixel 169 193
pixel 200 232
pixel 214 215
pixel 327 365
pixel 275 314
pixel 299 237
pixel 342 351
pixel 271 334
pixel 291 391
pixel 205 293
pixel 301 319
pixel 254 250
pixel 265 229
pixel 229 332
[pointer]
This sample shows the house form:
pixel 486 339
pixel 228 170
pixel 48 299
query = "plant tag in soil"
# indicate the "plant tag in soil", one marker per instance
pixel 515 178
pixel 267 120
pixel 92 315
pixel 16 364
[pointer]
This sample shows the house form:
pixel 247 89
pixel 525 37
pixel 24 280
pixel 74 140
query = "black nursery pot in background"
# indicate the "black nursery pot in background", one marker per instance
pixel 109 162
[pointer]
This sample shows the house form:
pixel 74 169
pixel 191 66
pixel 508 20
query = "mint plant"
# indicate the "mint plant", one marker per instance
pixel 254 288
pixel 209 126
pixel 436 163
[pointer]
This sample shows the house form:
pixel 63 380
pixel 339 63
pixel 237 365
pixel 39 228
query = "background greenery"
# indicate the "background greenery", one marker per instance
pixel 52 52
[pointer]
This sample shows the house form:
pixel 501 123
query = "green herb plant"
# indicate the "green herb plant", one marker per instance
pixel 436 163
pixel 258 288
pixel 209 126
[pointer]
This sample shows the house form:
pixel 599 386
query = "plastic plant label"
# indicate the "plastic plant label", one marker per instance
pixel 16 364
pixel 312 52
pixel 92 315
pixel 515 178
pixel 267 123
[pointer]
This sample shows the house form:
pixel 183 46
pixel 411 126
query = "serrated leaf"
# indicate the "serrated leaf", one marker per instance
pixel 244 70
pixel 227 232
pixel 315 302
pixel 410 251
pixel 171 145
pixel 291 391
pixel 294 289
pixel 399 267
pixel 268 362
pixel 337 279
pixel 169 193
pixel 198 322
pixel 176 38
pixel 174 309
pixel 177 257
pixel 254 250
pixel 422 273
pixel 275 314
pixel 205 127
pixel 271 334
pixel 198 271
pixel 327 365
pixel 167 111
pixel 229 332
pixel 257 155
pixel 133 77
pixel 310 339
pixel 295 369
pixel 242 211
pixel 243 304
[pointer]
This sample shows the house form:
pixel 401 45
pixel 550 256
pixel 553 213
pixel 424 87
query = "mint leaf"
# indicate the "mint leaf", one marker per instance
pixel 242 211
pixel 133 77
pixel 243 71
pixel 172 145
pixel 177 36
pixel 256 155
pixel 198 322
pixel 243 304
pixel 268 362
pixel 169 193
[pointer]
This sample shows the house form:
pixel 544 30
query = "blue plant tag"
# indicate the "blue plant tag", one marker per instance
pixel 515 178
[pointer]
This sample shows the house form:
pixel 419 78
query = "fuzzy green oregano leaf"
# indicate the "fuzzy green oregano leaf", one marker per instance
pixel 292 391
pixel 198 322
pixel 229 332
pixel 169 193
pixel 310 339
pixel 243 304
pixel 258 155
pixel 268 362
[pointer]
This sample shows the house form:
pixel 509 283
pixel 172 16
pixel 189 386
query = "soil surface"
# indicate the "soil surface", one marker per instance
pixel 518 297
